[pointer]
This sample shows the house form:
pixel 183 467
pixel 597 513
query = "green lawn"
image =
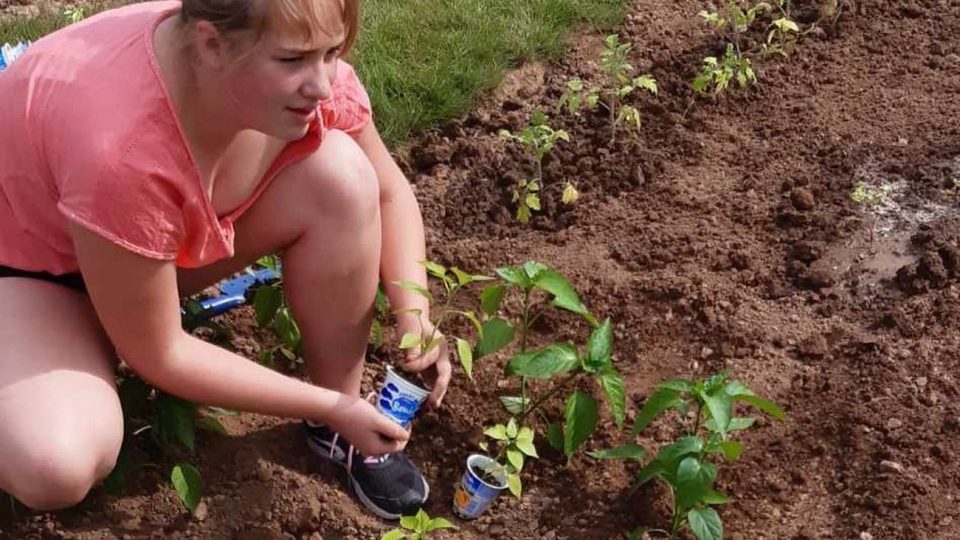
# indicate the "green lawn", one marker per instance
pixel 425 61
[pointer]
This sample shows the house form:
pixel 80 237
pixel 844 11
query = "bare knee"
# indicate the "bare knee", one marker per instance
pixel 343 181
pixel 57 478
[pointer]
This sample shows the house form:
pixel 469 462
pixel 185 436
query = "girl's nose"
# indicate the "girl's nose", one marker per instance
pixel 317 85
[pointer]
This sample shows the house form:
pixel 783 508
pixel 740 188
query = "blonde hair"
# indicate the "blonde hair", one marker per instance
pixel 306 19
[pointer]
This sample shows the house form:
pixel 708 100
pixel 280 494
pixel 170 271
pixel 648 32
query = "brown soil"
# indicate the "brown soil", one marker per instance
pixel 721 237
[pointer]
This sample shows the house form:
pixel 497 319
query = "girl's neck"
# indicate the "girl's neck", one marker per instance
pixel 205 119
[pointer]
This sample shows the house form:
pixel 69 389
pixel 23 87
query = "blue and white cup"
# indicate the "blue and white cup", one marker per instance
pixel 474 494
pixel 400 399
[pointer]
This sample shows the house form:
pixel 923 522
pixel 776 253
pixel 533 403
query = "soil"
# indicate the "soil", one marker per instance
pixel 721 237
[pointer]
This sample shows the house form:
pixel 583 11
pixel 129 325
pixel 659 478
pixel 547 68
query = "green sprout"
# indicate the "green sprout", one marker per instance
pixel 539 139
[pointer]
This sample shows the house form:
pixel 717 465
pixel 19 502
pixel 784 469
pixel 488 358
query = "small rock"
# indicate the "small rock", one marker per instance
pixel 802 199
pixel 639 176
pixel 201 512
pixel 263 472
pixel 891 466
pixel 316 536
pixel 894 423
pixel 866 536
pixel 946 521
pixel 814 347
pixel 706 352
pixel 921 381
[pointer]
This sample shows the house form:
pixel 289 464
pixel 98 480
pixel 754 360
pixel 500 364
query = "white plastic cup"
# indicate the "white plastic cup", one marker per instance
pixel 474 494
pixel 400 399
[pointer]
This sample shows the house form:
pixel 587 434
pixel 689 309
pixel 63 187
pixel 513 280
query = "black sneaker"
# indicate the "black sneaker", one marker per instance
pixel 389 485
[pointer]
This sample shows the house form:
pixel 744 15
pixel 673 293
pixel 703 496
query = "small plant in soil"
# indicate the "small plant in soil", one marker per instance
pixel 562 364
pixel 273 310
pixel 418 527
pixel 870 198
pixel 538 138
pixel 170 424
pixel 732 22
pixel 707 410
pixel 454 282
pixel 782 32
pixel 618 83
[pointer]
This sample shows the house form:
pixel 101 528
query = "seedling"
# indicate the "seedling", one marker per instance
pixel 538 138
pixel 273 310
pixel 781 32
pixel 454 281
pixel 618 83
pixel 870 198
pixel 732 23
pixel 563 362
pixel 417 527
pixel 688 466
pixel 74 14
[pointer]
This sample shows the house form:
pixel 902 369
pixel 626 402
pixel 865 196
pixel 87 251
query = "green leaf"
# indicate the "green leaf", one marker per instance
pixel 526 446
pixel 564 296
pixel 715 497
pixel 415 287
pixel 732 450
pixel 465 352
pixel 498 432
pixel 513 404
pixel 176 420
pixel 655 405
pixel 210 423
pixel 599 347
pixel 438 523
pixel 739 424
pixel 720 406
pixel 555 436
pixel 266 302
pixel 580 421
pixel 533 269
pixel 555 359
pixel 515 275
pixel 694 480
pixel 490 299
pixel 764 405
pixel 436 269
pixel 409 341
pixel 705 524
pixel 650 470
pixel 647 83
pixel 616 392
pixel 512 429
pixel 395 534
pixel 410 522
pixel 624 451
pixel 287 329
pixel 495 335
pixel 516 487
pixel 678 385
pixel 463 278
pixel 515 458
pixel 186 480
pixel 532 201
pixel 476 322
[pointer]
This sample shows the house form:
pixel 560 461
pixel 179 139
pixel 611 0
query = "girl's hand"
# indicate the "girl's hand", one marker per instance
pixel 369 431
pixel 434 365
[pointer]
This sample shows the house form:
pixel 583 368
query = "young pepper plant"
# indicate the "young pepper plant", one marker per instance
pixel 454 282
pixel 273 310
pixel 538 138
pixel 688 465
pixel 870 198
pixel 564 363
pixel 417 527
pixel 618 83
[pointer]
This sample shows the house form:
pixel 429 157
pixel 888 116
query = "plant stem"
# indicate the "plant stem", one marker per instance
pixel 696 423
pixel 523 341
pixel 542 399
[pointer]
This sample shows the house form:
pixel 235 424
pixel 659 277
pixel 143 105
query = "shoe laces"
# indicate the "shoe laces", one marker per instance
pixel 351 450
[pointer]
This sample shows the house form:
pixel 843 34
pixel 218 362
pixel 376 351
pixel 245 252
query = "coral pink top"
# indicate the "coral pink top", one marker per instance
pixel 88 134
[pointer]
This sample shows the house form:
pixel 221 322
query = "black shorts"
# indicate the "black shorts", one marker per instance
pixel 73 281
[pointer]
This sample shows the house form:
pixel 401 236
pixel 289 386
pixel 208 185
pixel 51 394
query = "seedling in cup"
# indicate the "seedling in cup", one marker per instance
pixel 562 363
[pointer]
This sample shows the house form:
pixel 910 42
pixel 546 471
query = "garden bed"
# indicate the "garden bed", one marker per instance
pixel 722 237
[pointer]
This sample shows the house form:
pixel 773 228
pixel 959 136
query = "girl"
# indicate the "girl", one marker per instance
pixel 154 149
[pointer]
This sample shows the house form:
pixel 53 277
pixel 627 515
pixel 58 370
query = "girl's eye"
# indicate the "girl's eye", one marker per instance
pixel 291 59
pixel 333 53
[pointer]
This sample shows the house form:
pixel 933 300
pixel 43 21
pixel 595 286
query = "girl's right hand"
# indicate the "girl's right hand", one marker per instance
pixel 368 430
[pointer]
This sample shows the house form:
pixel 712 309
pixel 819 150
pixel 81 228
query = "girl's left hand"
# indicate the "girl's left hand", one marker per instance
pixel 434 365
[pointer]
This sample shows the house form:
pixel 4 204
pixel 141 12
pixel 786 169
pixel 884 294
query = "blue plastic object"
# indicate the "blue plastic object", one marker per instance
pixel 9 53
pixel 234 291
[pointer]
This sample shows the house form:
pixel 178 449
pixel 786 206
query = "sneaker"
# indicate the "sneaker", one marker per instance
pixel 389 485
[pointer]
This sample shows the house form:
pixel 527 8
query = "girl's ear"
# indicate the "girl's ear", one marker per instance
pixel 210 45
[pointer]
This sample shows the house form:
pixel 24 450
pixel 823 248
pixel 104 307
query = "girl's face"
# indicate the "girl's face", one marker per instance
pixel 275 87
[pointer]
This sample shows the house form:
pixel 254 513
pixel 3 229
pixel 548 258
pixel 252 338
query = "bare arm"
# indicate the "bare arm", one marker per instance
pixel 137 302
pixel 403 249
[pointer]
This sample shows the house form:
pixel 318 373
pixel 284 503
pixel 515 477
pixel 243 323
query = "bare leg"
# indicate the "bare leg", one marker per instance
pixel 61 425
pixel 323 214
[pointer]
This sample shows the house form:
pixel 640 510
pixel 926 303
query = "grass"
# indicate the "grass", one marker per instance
pixel 425 61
